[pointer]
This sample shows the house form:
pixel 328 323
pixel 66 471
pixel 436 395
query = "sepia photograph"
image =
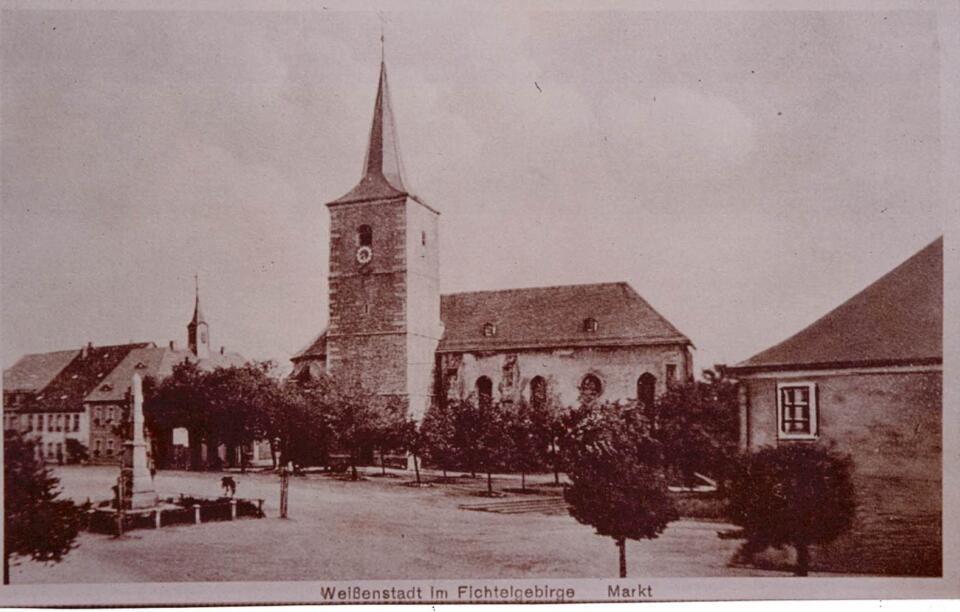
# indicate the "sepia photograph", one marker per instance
pixel 424 302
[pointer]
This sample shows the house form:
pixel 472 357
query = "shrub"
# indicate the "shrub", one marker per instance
pixel 798 494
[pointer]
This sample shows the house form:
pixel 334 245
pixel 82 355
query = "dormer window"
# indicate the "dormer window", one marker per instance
pixel 590 325
pixel 140 365
pixel 106 387
pixel 489 330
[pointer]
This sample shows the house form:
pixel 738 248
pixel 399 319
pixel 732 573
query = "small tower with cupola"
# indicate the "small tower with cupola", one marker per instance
pixel 198 331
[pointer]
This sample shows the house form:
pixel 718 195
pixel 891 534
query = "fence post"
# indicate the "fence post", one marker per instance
pixel 284 487
pixel 156 518
pixel 196 514
pixel 233 509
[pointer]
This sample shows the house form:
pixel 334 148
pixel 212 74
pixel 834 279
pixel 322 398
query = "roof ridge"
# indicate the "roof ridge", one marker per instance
pixel 887 281
pixel 538 288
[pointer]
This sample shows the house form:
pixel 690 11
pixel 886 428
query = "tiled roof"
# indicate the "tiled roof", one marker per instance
pixel 896 320
pixel 552 317
pixel 114 386
pixel 156 362
pixel 221 360
pixel 317 348
pixel 32 373
pixel 66 391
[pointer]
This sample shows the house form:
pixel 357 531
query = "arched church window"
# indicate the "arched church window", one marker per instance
pixel 590 388
pixel 365 236
pixel 484 392
pixel 538 391
pixel 646 389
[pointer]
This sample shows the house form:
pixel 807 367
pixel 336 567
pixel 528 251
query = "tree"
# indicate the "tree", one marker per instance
pixel 698 424
pixel 76 451
pixel 37 524
pixel 297 423
pixel 356 418
pixel 238 400
pixel 411 438
pixel 181 400
pixel 232 406
pixel 530 433
pixel 467 434
pixel 618 478
pixel 492 442
pixel 438 436
pixel 797 494
pixel 392 433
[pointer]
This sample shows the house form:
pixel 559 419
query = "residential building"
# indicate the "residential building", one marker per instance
pixel 867 379
pixel 56 417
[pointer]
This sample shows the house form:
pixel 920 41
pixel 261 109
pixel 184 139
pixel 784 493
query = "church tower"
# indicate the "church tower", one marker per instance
pixel 384 322
pixel 198 332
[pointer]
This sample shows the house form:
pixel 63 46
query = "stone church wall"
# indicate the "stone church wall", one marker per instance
pixel 618 369
pixel 422 305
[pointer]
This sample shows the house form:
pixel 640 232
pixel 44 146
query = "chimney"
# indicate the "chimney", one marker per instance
pixel 85 350
pixel 172 347
pixel 221 349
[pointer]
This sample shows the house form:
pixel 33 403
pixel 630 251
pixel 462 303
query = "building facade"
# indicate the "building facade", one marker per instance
pixel 55 416
pixel 76 404
pixel 867 379
pixel 390 329
pixel 24 380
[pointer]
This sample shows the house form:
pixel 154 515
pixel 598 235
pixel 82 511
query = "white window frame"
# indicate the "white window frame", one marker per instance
pixel 814 411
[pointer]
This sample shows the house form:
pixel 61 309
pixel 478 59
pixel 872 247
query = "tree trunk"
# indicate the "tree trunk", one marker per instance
pixel 523 481
pixel 622 545
pixel 353 466
pixel 803 560
pixel 383 466
pixel 490 483
pixel 556 474
pixel 6 568
pixel 195 450
pixel 416 468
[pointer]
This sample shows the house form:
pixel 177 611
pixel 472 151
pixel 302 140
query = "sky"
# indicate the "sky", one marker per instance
pixel 745 172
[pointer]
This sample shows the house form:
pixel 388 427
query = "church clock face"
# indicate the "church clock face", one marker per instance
pixel 364 255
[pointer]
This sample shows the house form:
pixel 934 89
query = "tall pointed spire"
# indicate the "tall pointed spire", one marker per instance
pixel 381 178
pixel 197 313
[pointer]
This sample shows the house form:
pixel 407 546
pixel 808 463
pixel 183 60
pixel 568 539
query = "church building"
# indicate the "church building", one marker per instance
pixel 390 328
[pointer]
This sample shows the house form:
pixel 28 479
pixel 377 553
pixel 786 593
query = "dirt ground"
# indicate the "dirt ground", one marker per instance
pixel 377 528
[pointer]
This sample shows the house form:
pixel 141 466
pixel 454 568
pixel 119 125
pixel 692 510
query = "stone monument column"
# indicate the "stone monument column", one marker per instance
pixel 140 490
